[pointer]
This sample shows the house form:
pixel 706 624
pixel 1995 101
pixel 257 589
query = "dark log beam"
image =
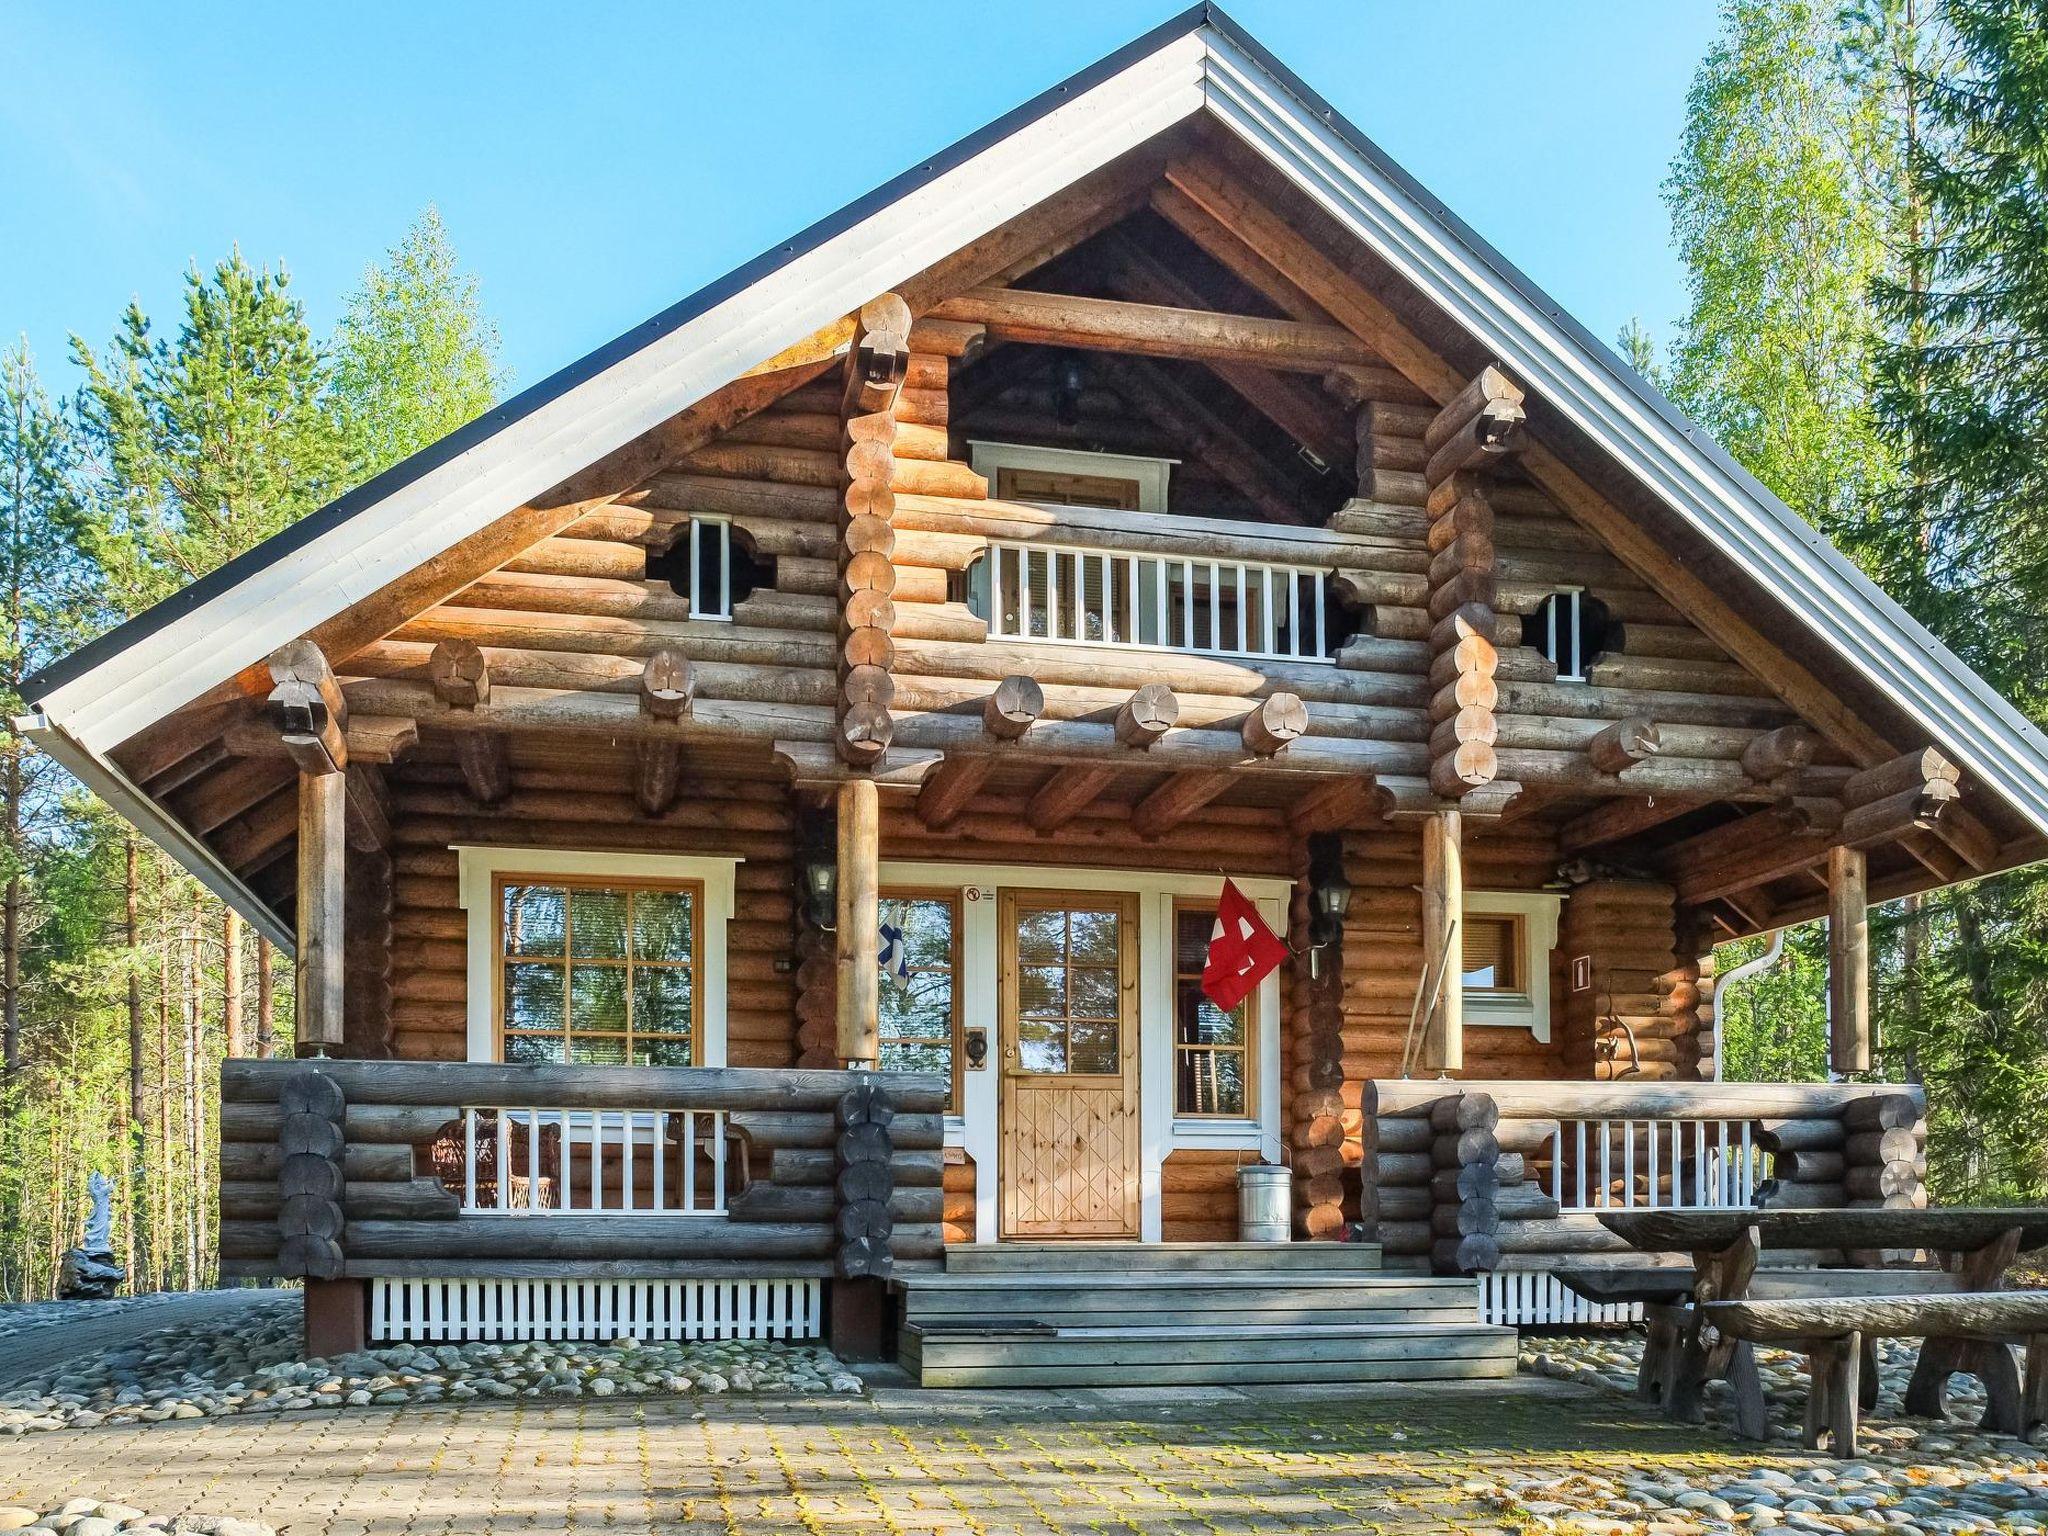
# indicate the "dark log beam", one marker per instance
pixel 461 680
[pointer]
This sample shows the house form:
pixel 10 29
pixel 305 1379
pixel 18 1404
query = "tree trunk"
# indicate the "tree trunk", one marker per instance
pixel 266 1001
pixel 231 980
pixel 136 1163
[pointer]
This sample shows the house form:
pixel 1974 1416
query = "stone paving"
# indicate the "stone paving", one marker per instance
pixel 1140 1462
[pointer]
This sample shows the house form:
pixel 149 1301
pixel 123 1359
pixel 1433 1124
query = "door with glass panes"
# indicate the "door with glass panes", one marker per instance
pixel 1069 1091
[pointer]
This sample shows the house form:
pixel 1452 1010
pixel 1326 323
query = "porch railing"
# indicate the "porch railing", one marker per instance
pixel 1510 1178
pixel 1259 610
pixel 1654 1164
pixel 630 1162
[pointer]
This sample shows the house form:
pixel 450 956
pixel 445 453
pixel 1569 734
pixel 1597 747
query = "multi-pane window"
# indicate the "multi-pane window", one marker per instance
pixel 1212 1050
pixel 920 1005
pixel 599 973
pixel 1493 954
pixel 1070 990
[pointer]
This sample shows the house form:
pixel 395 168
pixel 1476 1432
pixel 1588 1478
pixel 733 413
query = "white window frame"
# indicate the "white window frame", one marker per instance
pixel 1567 633
pixel 1530 1010
pixel 699 608
pixel 1151 474
pixel 478 868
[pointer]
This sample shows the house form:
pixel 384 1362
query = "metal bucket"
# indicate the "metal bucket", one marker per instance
pixel 1264 1194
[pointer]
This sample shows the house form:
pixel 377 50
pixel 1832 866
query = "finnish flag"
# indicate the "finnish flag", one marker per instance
pixel 895 956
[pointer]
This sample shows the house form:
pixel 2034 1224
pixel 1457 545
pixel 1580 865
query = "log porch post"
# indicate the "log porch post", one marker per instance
pixel 307 707
pixel 860 938
pixel 1443 935
pixel 1848 960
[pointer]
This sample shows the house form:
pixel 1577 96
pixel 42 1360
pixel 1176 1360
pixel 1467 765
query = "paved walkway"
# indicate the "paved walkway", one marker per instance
pixel 35 1352
pixel 1140 1462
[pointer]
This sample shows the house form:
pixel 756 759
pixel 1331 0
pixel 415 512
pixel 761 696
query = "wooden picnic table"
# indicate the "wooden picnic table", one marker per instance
pixel 1836 1314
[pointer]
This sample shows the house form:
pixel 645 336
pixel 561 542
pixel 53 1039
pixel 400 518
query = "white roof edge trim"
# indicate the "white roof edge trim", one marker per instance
pixel 135 687
pixel 1793 562
pixel 106 780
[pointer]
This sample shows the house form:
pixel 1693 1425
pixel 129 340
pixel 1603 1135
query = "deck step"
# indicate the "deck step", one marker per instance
pixel 1101 1299
pixel 1099 1258
pixel 1204 1353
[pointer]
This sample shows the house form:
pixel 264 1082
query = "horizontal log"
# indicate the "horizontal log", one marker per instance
pixel 1062 320
pixel 583 1087
pixel 1992 1316
pixel 555 1235
pixel 1628 1100
pixel 806 1203
pixel 908 1132
pixel 255 1161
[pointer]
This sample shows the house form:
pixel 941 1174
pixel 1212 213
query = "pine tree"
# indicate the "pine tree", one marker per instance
pixel 210 444
pixel 415 357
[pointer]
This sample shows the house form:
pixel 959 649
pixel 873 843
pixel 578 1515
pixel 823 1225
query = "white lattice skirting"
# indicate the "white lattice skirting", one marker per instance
pixel 455 1308
pixel 1525 1298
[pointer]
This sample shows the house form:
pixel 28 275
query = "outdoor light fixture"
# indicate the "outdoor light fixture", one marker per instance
pixel 1329 894
pixel 821 891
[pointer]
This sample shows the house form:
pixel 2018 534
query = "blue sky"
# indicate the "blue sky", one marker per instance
pixel 595 162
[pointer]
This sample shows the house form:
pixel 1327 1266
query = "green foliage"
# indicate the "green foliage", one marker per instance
pixel 175 455
pixel 415 357
pixel 209 444
pixel 1862 203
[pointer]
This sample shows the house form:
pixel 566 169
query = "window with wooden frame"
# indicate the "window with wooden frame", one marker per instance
pixel 1493 954
pixel 1213 1051
pixel 1062 489
pixel 601 972
pixel 920 1001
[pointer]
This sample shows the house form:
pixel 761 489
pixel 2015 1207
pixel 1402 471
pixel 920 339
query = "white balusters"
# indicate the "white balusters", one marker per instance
pixel 1094 597
pixel 590 1161
pixel 1663 1164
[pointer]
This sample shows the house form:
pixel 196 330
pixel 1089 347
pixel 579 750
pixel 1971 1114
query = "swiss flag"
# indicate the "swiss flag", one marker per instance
pixel 1242 950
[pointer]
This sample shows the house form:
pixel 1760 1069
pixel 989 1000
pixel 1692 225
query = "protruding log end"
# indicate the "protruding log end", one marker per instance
pixel 668 685
pixel 865 731
pixel 1473 765
pixel 1147 715
pixel 1275 722
pixel 1013 707
pixel 1784 750
pixel 459 674
pixel 1624 744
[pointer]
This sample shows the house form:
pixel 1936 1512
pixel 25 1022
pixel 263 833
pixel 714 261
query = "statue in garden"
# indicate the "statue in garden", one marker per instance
pixel 88 1271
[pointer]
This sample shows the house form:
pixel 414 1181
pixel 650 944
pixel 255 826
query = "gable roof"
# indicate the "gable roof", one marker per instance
pixel 1201 62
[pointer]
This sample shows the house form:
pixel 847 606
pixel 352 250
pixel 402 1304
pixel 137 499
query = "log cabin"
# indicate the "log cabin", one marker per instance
pixel 1156 487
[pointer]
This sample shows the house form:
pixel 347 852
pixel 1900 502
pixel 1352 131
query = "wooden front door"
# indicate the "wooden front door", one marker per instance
pixel 1069 1112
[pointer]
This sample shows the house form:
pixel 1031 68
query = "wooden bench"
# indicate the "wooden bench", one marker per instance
pixel 1704 1320
pixel 1974 1331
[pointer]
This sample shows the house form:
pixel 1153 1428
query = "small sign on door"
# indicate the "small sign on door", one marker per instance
pixel 1582 973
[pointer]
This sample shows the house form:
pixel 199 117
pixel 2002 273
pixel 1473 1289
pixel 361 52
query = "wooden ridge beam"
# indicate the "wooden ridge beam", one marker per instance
pixel 1156 330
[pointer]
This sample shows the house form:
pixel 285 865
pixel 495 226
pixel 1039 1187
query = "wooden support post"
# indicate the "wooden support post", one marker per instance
pixel 323 854
pixel 1848 960
pixel 1443 938
pixel 337 1318
pixel 860 939
pixel 857 1311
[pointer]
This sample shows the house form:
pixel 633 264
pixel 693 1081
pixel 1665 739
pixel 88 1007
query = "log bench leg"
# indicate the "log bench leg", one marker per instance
pixel 1832 1401
pixel 1660 1358
pixel 1927 1392
pixel 1993 1364
pixel 1752 1416
pixel 2034 1400
pixel 1870 1376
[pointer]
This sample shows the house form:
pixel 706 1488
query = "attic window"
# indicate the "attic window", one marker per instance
pixel 705 566
pixel 1567 628
pixel 1072 477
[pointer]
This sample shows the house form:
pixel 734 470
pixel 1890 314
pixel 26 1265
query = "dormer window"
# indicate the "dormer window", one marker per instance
pixel 1072 477
pixel 1566 629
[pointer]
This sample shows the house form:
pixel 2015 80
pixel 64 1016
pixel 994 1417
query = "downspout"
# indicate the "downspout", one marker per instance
pixel 1751 967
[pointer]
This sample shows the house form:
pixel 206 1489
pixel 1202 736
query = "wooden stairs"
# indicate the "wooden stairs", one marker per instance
pixel 1165 1314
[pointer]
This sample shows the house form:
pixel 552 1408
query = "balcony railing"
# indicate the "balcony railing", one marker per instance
pixel 625 1162
pixel 1261 611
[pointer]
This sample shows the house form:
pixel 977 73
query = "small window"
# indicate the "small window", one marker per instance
pixel 920 1004
pixel 705 566
pixel 1212 1050
pixel 1567 629
pixel 1493 959
pixel 1054 488
pixel 599 973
